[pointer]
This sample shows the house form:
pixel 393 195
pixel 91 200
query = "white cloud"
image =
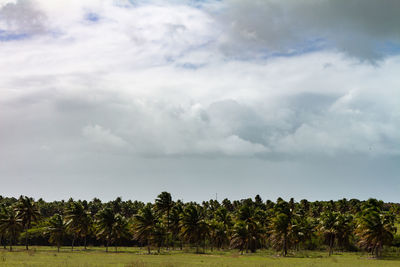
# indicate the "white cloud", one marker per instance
pixel 101 136
pixel 153 76
pixel 177 95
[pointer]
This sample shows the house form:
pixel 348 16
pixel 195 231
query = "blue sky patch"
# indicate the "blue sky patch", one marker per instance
pixel 92 17
pixel 8 36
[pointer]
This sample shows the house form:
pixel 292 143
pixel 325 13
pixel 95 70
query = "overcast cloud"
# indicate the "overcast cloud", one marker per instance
pixel 110 98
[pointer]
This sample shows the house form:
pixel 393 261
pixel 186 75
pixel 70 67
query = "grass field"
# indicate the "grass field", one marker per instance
pixel 135 257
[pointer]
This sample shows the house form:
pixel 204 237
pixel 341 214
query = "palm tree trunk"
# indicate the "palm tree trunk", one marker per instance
pixel 11 241
pixel 107 243
pixel 284 245
pixel 167 226
pixel 85 241
pixel 26 237
pixel 73 241
pixel 331 245
pixel 148 249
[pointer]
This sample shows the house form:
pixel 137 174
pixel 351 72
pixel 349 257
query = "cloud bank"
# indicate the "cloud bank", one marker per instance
pixel 152 79
pixel 272 80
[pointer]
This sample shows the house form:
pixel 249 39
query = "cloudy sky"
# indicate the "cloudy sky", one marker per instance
pixel 130 98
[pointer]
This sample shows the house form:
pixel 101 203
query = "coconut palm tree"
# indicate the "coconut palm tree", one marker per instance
pixel 78 221
pixel 163 206
pixel 57 229
pixel 223 215
pixel 120 229
pixel 11 225
pixel 194 228
pixel 105 226
pixel 375 228
pixel 175 223
pixel 218 234
pixel 158 236
pixel 302 229
pixel 344 230
pixel 144 224
pixel 280 226
pixel 240 236
pixel 328 228
pixel 3 236
pixel 27 212
pixel 250 215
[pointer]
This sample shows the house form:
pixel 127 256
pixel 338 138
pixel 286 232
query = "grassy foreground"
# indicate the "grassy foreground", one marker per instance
pixel 135 257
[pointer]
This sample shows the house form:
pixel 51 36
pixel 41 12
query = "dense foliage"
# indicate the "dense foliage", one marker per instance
pixel 246 225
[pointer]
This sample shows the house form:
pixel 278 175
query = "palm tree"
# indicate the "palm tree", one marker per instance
pixel 344 230
pixel 194 228
pixel 28 212
pixel 222 215
pixel 163 205
pixel 175 223
pixel 57 229
pixel 11 225
pixel 328 228
pixel 280 231
pixel 375 228
pixel 280 226
pixel 240 236
pixel 302 229
pixel 78 221
pixel 2 216
pixel 144 224
pixel 218 234
pixel 105 225
pixel 120 229
pixel 158 236
pixel 249 214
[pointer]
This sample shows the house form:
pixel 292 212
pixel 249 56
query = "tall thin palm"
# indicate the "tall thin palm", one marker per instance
pixel 280 226
pixel 218 234
pixel 250 215
pixel 120 229
pixel 328 228
pixel 57 229
pixel 105 226
pixel 11 225
pixel 175 223
pixel 163 205
pixel 194 228
pixel 240 236
pixel 78 221
pixel 345 228
pixel 27 212
pixel 144 224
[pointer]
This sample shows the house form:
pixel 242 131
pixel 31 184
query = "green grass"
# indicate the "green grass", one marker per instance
pixel 135 257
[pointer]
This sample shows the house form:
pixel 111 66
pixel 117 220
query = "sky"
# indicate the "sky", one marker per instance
pixel 202 99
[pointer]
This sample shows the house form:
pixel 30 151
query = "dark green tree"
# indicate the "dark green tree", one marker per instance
pixel 27 212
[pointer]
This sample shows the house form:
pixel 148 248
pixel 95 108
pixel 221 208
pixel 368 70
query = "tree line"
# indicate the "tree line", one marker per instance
pixel 246 225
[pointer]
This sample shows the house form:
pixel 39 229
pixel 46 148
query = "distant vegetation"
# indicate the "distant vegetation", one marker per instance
pixel 246 225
